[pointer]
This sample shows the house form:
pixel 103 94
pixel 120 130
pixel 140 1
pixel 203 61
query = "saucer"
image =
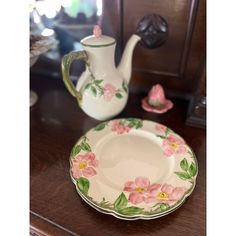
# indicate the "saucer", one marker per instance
pixel 133 169
pixel 147 107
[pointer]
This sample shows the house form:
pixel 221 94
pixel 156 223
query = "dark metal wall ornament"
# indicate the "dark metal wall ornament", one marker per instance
pixel 153 30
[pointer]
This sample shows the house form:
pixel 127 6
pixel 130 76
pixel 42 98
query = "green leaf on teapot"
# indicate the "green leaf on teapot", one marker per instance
pixel 124 86
pixel 119 95
pixel 87 86
pixel 98 81
pixel 101 92
pixel 94 91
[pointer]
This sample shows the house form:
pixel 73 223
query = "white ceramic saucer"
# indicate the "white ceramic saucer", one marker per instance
pixel 133 169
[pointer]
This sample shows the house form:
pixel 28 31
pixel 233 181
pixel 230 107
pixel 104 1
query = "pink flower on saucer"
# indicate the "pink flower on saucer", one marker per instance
pixel 109 91
pixel 173 145
pixel 139 189
pixel 119 127
pixel 97 31
pixel 161 129
pixel 84 165
pixel 166 194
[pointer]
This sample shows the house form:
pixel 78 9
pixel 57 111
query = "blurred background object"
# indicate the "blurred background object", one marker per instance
pixel 56 28
pixel 39 44
pixel 68 21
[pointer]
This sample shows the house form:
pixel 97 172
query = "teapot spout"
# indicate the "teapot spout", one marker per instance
pixel 125 67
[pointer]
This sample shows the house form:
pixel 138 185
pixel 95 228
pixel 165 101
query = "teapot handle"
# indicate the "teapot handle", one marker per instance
pixel 65 67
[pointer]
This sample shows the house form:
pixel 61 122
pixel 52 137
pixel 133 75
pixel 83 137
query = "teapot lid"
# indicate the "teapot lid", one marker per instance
pixel 97 39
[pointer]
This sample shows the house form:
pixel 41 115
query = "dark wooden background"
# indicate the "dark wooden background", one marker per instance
pixel 177 64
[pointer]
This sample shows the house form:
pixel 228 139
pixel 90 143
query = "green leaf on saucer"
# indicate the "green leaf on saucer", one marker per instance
pixel 83 184
pixel 119 95
pixel 183 175
pixel 120 202
pixel 100 126
pixel 85 147
pixel 192 169
pixel 184 164
pixel 94 91
pixel 164 206
pixel 131 210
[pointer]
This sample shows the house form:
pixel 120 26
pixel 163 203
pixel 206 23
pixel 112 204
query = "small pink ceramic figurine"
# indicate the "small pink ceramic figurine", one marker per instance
pixel 156 100
pixel 97 31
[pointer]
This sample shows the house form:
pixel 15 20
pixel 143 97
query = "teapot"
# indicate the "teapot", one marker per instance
pixel 102 89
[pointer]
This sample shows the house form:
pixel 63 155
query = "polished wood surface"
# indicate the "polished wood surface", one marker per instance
pixel 56 123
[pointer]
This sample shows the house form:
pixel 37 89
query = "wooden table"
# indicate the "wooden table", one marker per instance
pixel 56 123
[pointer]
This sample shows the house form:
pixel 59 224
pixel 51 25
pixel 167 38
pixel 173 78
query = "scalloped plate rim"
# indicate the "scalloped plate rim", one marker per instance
pixel 137 216
pixel 134 217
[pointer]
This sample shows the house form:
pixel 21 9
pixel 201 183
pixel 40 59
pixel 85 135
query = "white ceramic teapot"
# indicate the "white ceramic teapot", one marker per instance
pixel 102 89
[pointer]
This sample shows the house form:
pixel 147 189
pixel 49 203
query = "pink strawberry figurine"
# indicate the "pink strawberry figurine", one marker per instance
pixel 156 100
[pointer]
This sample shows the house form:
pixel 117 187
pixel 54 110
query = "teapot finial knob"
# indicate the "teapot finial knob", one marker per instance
pixel 97 31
